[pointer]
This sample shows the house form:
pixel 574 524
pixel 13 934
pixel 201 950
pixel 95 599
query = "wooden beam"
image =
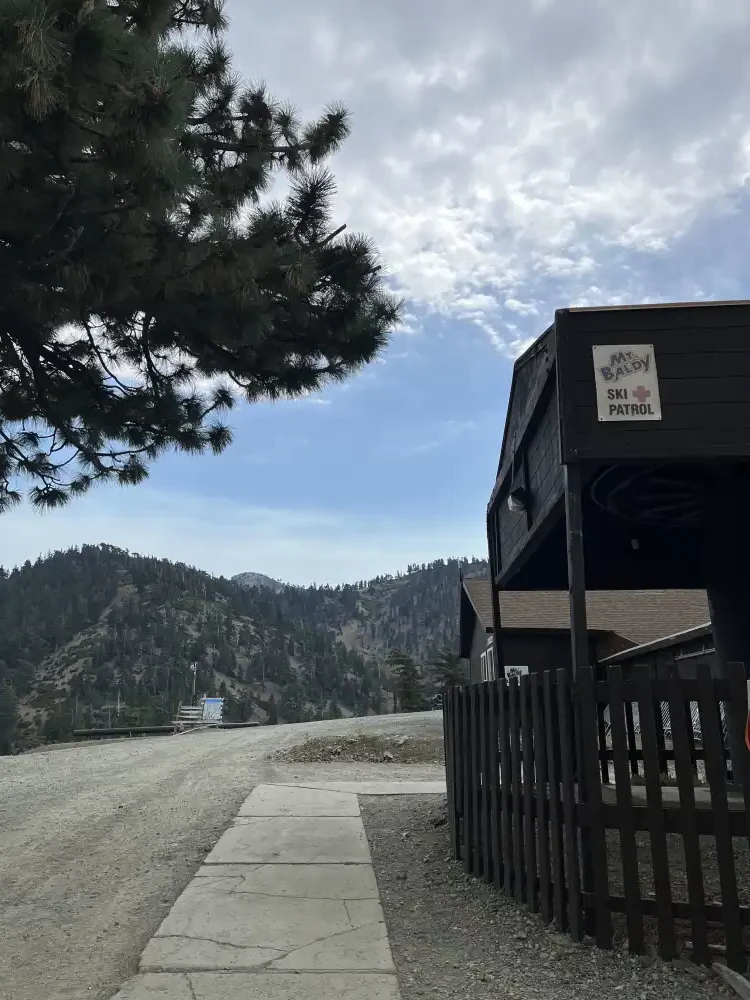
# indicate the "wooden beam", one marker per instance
pixel 576 568
pixel 496 621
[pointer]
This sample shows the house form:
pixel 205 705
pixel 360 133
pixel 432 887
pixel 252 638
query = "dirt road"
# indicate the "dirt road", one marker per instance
pixel 96 842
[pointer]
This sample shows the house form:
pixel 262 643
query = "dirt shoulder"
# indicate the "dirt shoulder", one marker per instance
pixel 454 936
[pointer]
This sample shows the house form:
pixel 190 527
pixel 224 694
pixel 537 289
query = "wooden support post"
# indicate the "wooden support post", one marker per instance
pixel 496 621
pixel 727 541
pixel 579 636
pixel 579 639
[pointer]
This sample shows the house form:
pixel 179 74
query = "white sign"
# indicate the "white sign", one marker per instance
pixel 627 383
pixel 213 709
pixel 515 672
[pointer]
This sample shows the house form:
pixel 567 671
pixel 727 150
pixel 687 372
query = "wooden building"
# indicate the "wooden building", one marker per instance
pixel 536 625
pixel 689 650
pixel 625 463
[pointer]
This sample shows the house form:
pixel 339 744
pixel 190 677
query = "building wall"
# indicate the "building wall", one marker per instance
pixel 478 645
pixel 689 656
pixel 537 651
pixel 540 651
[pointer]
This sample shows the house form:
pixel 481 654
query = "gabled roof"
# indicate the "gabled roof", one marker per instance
pixel 479 593
pixel 665 642
pixel 637 615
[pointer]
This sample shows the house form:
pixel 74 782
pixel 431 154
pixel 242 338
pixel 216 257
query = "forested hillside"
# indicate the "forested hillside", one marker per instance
pixel 99 636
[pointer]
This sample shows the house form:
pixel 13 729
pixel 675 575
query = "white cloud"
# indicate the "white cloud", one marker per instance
pixel 408 325
pixel 227 537
pixel 504 156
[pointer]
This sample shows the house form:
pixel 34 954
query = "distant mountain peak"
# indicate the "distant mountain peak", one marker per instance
pixel 258 580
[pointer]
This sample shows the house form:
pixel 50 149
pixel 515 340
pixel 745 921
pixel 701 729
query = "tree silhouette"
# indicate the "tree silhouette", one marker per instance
pixel 407 682
pixel 447 669
pixel 138 257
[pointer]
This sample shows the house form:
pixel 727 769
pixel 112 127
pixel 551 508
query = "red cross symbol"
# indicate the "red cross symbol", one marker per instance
pixel 641 393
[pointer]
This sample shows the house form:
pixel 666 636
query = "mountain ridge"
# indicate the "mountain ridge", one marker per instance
pixel 95 635
pixel 252 579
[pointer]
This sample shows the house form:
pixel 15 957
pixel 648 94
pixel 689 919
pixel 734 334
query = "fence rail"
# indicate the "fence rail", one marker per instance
pixel 556 800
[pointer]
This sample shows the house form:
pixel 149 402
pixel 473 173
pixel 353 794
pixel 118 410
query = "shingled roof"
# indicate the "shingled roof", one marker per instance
pixel 637 615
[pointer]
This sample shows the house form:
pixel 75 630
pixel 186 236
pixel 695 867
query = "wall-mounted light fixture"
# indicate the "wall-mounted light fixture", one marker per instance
pixel 518 500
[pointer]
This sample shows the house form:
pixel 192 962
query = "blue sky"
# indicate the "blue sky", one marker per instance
pixel 509 159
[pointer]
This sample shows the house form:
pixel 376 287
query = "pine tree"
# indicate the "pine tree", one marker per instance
pixel 447 670
pixel 407 682
pixel 137 257
pixel 273 712
pixel 8 716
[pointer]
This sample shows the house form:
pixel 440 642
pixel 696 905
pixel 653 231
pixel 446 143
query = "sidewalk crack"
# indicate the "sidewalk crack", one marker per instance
pixel 224 944
pixel 326 937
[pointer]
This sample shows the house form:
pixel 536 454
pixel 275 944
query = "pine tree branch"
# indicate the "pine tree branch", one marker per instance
pixel 95 347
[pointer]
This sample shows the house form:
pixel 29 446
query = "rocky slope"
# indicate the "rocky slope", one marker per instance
pixel 100 636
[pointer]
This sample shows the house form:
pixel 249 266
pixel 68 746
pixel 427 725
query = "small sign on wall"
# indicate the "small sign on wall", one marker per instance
pixel 627 382
pixel 516 672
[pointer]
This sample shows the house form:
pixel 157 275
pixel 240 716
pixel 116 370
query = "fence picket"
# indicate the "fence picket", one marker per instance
pixel 516 768
pixel 506 837
pixel 556 833
pixel 592 734
pixel 484 705
pixel 628 848
pixel 494 779
pixel 467 812
pixel 458 770
pixel 567 774
pixel 657 826
pixel 449 764
pixel 542 829
pixel 738 709
pixel 681 724
pixel 528 749
pixel 476 764
pixel 716 776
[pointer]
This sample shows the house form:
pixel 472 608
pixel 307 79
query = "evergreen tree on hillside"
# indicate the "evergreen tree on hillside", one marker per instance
pixel 98 634
pixel 136 253
pixel 447 670
pixel 407 682
pixel 8 716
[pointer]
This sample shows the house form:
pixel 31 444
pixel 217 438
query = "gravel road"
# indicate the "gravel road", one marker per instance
pixel 97 841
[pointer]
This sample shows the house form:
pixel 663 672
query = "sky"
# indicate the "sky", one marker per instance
pixel 509 159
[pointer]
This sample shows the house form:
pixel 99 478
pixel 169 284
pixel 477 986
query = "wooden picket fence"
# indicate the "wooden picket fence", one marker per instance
pixel 652 855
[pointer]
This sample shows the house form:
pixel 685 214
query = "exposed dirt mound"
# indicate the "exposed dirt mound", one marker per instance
pixel 396 749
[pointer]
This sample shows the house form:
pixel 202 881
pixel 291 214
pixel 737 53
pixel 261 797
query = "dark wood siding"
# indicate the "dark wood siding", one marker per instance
pixel 529 376
pixel 478 645
pixel 544 466
pixel 703 360
pixel 540 651
pixel 538 469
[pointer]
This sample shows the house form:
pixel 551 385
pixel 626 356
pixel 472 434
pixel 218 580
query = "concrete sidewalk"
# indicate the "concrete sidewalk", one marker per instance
pixel 285 906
